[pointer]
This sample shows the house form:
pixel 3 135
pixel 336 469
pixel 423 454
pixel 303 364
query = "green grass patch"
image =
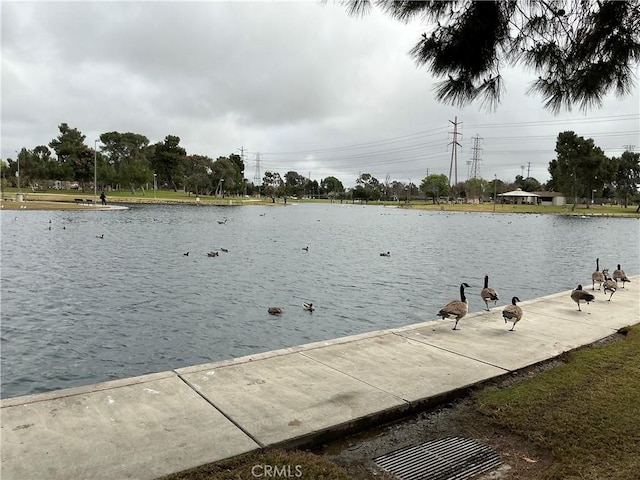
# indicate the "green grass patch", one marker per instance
pixel 587 411
pixel 269 464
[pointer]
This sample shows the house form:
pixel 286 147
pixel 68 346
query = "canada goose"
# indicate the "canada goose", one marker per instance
pixel 186 254
pixel 212 254
pixel 609 285
pixel 308 307
pixel 306 249
pixel 385 254
pixel 578 295
pixel 100 236
pixel 618 274
pixel 597 276
pixel 222 222
pixel 488 293
pixel 456 308
pixel 224 250
pixel 274 310
pixel 512 312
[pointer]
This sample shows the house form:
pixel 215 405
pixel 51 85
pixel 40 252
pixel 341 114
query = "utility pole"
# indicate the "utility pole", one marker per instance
pixel 95 171
pixel 528 169
pixel 454 151
pixel 18 175
pixel 495 190
pixel 475 168
pixel 242 157
pixel 629 148
pixel 256 176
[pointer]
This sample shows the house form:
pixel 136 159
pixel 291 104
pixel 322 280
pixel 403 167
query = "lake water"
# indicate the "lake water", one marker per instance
pixel 77 309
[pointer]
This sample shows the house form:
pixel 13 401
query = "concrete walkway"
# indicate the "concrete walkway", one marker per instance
pixel 153 425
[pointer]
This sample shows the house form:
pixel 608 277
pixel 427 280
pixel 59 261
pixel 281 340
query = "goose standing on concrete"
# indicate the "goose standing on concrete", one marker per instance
pixel 488 294
pixel 608 285
pixel 578 295
pixel 618 274
pixel 597 276
pixel 512 312
pixel 456 308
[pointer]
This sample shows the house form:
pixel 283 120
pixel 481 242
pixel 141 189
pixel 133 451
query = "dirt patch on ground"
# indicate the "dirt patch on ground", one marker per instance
pixel 521 458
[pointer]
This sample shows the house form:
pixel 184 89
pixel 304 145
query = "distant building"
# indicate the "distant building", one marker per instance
pixel 551 198
pixel 519 197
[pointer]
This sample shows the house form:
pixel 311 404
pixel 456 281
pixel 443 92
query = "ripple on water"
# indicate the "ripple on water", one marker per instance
pixel 78 310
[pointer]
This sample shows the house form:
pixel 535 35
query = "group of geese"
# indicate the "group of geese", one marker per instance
pixel 606 283
pixel 458 308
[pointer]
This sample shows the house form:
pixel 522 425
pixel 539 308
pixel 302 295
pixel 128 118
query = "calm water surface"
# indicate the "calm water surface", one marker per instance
pixel 77 309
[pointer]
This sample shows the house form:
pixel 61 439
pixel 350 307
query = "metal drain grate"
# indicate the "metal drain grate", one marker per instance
pixel 446 459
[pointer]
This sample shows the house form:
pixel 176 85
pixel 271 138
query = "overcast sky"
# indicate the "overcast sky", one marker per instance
pixel 300 85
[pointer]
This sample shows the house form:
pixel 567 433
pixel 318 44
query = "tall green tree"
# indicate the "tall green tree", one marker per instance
pixel 272 184
pixel 528 184
pixel 294 183
pixel 578 50
pixel 312 187
pixel 73 154
pixel 367 188
pixel 626 176
pixel 239 180
pixel 166 161
pixel 198 173
pixel 579 167
pixel 225 169
pixel 435 186
pixel 476 188
pixel 331 186
pixel 126 154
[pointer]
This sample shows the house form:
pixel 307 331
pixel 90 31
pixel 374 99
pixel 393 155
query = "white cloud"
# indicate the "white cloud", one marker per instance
pixel 311 88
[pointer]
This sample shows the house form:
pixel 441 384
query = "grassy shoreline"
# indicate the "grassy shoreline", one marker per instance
pixel 66 201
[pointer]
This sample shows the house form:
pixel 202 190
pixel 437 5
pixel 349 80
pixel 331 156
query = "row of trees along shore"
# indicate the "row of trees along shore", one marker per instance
pixel 580 171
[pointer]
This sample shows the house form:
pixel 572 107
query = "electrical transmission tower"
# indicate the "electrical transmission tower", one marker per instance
pixel 454 151
pixel 257 179
pixel 475 157
pixel 244 162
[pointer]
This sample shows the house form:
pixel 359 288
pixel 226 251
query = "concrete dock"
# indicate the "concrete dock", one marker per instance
pixel 148 426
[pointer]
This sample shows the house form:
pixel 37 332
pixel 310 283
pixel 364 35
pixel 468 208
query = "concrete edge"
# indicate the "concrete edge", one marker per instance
pixel 85 390
pixel 395 414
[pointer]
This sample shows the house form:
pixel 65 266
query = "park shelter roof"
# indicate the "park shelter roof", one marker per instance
pixel 518 193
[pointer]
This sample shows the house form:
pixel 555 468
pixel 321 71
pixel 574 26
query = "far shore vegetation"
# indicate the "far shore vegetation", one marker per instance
pixel 128 167
pixel 66 200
